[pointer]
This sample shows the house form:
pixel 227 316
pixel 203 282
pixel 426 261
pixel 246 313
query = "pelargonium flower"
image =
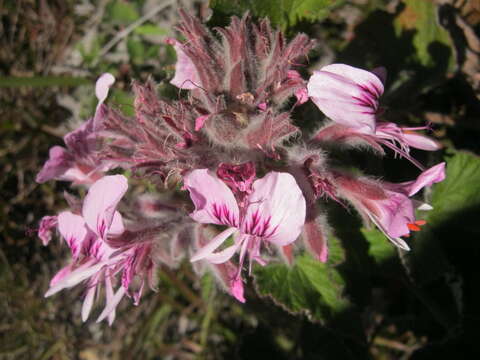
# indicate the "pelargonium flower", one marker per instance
pixel 274 212
pixel 94 260
pixel 78 162
pixel 350 97
pixel 388 205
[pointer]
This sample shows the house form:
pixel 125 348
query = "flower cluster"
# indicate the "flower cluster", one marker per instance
pixel 249 186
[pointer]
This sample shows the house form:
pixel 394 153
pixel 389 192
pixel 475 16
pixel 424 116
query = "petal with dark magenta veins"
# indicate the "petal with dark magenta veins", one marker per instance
pixel 347 95
pixel 276 209
pixel 101 201
pixel 73 230
pixel 214 201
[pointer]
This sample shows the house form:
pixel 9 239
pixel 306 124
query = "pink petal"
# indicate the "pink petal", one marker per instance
pixel 395 213
pixel 421 142
pixel 88 301
pixel 116 227
pixel 102 87
pixel 262 106
pixel 214 201
pixel 111 305
pixel 101 201
pixel 186 76
pixel 59 161
pixel 224 255
pixel 208 249
pixel 76 276
pixel 430 176
pixel 73 230
pixel 347 95
pixel 60 275
pixel 399 242
pixel 277 209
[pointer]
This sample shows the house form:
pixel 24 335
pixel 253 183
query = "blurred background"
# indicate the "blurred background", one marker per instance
pixel 369 301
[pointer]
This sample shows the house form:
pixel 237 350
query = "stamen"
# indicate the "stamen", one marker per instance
pixel 402 153
pixel 420 222
pixel 413 227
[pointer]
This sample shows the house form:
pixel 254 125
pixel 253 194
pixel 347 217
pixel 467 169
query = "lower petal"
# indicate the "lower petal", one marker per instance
pixel 208 249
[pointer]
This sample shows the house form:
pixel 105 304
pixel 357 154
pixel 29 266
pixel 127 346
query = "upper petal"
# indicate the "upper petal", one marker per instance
pixel 102 87
pixel 73 230
pixel 276 209
pixel 421 142
pixel 430 176
pixel 186 76
pixel 101 201
pixel 214 201
pixel 347 95
pixel 59 161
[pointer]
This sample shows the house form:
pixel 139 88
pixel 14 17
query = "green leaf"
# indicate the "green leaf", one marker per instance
pixel 452 200
pixel 455 202
pixel 283 13
pixel 420 18
pixel 459 191
pixel 150 29
pixel 451 234
pixel 123 12
pixel 308 287
pixel 380 249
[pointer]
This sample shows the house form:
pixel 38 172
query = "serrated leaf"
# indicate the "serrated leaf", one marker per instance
pixel 420 17
pixel 123 12
pixel 380 249
pixel 308 287
pixel 283 13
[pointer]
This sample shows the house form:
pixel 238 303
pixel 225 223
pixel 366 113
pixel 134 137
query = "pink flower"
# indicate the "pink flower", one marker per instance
pixel 389 207
pixel 274 212
pixel 95 260
pixel 78 162
pixel 350 97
